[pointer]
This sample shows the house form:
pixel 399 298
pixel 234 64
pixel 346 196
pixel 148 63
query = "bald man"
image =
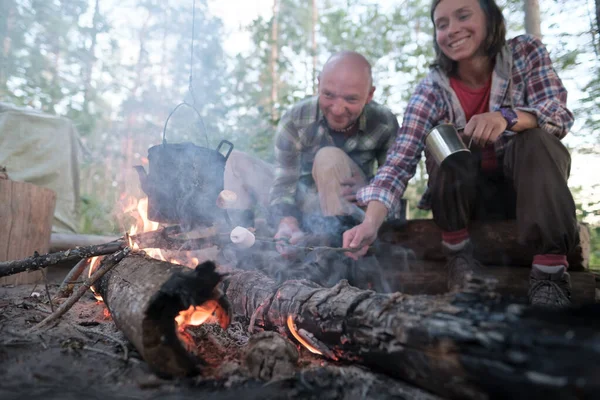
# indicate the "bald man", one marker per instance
pixel 328 146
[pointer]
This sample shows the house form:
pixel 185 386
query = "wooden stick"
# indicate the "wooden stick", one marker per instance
pixel 107 264
pixel 67 285
pixel 37 261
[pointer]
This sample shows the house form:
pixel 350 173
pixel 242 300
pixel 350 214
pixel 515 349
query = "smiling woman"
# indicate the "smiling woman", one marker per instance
pixel 511 105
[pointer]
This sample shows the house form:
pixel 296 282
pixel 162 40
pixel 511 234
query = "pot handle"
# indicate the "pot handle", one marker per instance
pixel 228 151
pixel 173 112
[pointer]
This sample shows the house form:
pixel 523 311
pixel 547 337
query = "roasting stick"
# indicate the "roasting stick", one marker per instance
pixel 244 238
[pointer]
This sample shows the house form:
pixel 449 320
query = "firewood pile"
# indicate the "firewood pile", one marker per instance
pixel 240 322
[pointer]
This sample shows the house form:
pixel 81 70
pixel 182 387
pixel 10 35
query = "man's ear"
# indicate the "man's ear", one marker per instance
pixel 371 92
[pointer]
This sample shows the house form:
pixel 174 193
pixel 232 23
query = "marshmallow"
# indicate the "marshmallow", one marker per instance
pixel 226 199
pixel 242 237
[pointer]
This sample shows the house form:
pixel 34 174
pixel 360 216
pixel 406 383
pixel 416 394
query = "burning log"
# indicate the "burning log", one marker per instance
pixel 495 243
pixel 155 239
pixel 463 345
pixel 151 301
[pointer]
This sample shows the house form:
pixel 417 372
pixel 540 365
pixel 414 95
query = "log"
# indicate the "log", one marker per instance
pixel 155 239
pixel 38 261
pixel 144 295
pixel 495 243
pixel 26 214
pixel 65 241
pixel 468 345
pixel 430 277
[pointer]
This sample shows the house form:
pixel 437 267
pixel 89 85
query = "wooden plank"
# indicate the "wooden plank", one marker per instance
pixel 26 213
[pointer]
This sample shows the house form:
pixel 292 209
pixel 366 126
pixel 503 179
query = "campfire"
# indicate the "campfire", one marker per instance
pixel 185 317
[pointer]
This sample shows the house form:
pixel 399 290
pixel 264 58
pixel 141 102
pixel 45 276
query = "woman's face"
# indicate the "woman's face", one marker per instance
pixel 460 27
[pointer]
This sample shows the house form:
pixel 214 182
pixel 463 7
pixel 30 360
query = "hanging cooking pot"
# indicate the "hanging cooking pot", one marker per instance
pixel 184 180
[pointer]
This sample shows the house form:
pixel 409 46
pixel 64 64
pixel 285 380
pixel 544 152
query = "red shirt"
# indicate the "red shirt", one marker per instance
pixel 473 102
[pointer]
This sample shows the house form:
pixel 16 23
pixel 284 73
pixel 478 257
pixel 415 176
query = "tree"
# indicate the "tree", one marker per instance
pixel 532 17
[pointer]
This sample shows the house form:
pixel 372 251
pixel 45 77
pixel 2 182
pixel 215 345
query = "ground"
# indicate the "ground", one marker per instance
pixel 85 356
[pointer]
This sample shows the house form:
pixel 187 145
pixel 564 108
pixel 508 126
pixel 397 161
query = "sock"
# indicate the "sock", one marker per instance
pixel 550 263
pixel 456 240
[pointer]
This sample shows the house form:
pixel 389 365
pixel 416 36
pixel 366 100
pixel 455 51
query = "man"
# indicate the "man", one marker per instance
pixel 326 147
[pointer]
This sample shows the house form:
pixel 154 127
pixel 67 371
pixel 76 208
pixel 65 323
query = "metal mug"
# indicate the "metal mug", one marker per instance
pixel 444 143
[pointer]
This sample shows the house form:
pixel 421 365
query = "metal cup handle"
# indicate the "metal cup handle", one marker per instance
pixel 227 142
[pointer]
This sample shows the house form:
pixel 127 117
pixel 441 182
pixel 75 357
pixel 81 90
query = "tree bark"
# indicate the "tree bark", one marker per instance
pixel 467 345
pixel 144 295
pixel 26 214
pixel 495 243
pixel 532 18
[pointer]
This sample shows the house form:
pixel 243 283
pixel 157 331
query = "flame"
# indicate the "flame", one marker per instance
pixel 94 262
pixel 144 224
pixel 210 312
pixel 292 327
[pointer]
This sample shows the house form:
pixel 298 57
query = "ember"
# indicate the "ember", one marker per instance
pixel 94 263
pixel 292 327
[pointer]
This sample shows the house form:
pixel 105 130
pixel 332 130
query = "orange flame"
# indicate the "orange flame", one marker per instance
pixel 95 261
pixel 210 312
pixel 143 224
pixel 292 327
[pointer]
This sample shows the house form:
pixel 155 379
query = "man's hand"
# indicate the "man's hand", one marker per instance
pixel 350 186
pixel 288 233
pixel 485 128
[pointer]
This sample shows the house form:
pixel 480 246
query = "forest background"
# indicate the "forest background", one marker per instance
pixel 118 68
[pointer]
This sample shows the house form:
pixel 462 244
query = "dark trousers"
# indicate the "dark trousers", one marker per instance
pixel 529 185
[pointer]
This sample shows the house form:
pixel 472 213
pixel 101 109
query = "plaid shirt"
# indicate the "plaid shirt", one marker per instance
pixel 523 78
pixel 303 130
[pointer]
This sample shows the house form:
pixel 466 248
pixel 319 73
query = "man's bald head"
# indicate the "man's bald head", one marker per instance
pixel 345 87
pixel 349 60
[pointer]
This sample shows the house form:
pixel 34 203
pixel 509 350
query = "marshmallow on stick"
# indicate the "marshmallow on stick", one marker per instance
pixel 242 237
pixel 226 199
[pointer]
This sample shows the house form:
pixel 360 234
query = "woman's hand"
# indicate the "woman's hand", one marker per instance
pixel 363 235
pixel 485 128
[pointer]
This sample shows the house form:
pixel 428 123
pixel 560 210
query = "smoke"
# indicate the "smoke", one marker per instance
pixel 317 259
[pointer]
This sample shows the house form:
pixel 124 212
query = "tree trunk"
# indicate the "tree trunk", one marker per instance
pixel 89 65
pixel 6 43
pixel 495 243
pixel 144 295
pixel 26 214
pixel 315 22
pixel 597 16
pixel 532 18
pixel 468 345
pixel 274 59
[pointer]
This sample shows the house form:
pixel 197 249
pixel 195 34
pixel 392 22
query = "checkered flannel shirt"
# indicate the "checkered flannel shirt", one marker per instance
pixel 523 78
pixel 303 130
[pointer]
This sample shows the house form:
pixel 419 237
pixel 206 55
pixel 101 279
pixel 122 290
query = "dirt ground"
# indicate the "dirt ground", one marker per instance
pixel 85 356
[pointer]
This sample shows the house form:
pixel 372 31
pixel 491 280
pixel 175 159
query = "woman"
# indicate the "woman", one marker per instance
pixel 512 106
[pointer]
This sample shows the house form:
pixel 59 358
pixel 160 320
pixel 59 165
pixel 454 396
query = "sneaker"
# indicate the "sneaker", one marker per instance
pixel 549 290
pixel 461 266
